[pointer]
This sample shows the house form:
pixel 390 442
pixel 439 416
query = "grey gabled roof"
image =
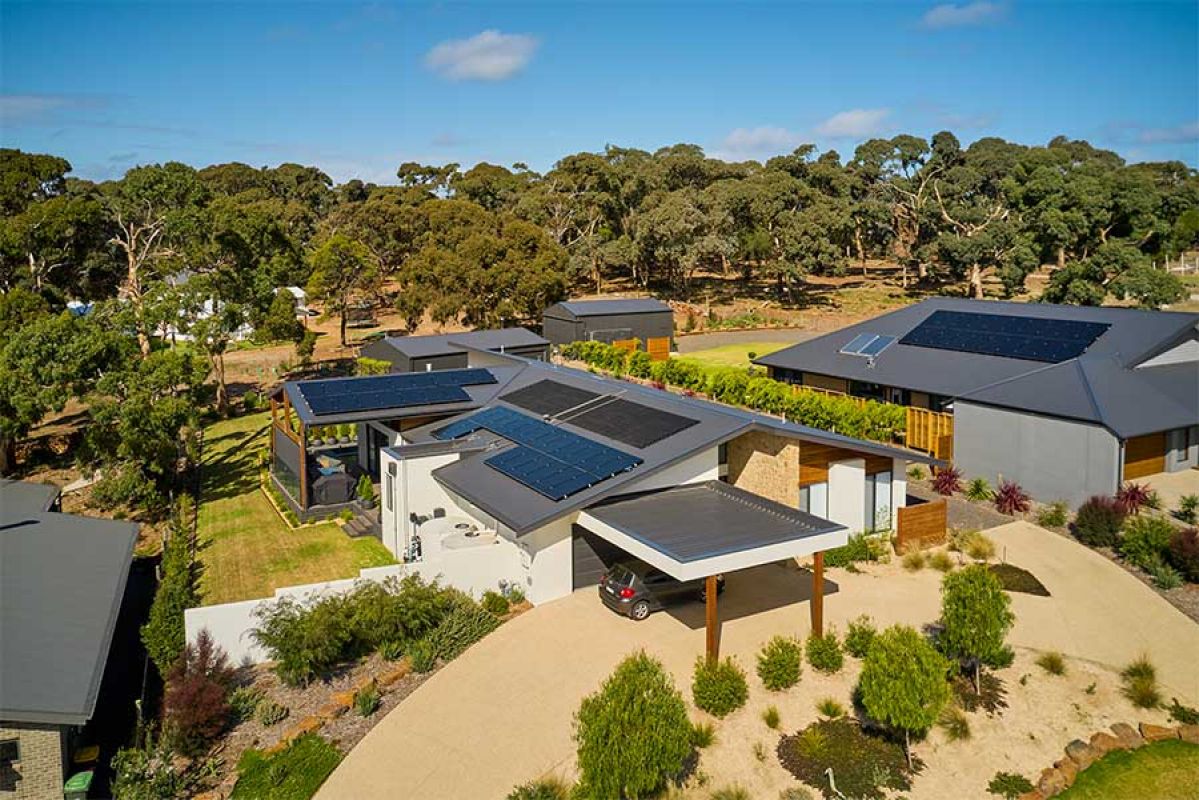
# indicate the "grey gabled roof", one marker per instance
pixel 24 497
pixel 703 520
pixel 444 344
pixel 523 509
pixel 62 578
pixel 1103 385
pixel 599 308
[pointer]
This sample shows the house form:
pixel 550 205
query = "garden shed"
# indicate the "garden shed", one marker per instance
pixel 649 321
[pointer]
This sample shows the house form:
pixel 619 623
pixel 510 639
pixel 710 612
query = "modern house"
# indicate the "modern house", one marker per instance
pixel 448 351
pixel 649 321
pixel 1068 401
pixel 62 581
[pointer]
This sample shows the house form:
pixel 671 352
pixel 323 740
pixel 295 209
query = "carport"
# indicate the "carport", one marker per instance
pixel 702 530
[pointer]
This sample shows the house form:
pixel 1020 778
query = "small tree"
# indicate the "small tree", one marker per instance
pixel 197 695
pixel 903 683
pixel 280 324
pixel 342 268
pixel 633 734
pixel 163 634
pixel 976 616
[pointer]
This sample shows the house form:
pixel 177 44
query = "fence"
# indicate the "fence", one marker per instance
pixel 930 431
pixel 921 525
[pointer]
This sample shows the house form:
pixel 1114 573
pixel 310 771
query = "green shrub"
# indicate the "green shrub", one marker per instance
pixel 269 713
pixel 1184 553
pixel 423 655
pixel 1009 785
pixel 163 634
pixel 367 700
pixel 824 652
pixel 1140 683
pixel 703 735
pixel 495 602
pixel 955 723
pixel 916 473
pixel 460 629
pixel 979 490
pixel 771 717
pixel 294 773
pixel 638 707
pixel 731 793
pixel 859 636
pixel 304 641
pixel 1188 508
pixel 149 773
pixel 859 547
pixel 1052 662
pixel 828 707
pixel 780 663
pixel 541 789
pixel 1146 541
pixel 1098 522
pixel 515 594
pixel 391 651
pixel 978 546
pixel 1183 715
pixel 371 366
pixel 1165 576
pixel 243 701
pixel 718 687
pixel 865 766
pixel 365 489
pixel 1053 515
pixel 941 561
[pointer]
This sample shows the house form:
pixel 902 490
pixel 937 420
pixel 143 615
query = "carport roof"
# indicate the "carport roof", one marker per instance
pixel 701 529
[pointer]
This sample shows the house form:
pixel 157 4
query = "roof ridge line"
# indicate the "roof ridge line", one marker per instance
pixel 1021 376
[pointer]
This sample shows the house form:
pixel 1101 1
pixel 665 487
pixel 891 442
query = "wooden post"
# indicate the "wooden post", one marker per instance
pixel 303 468
pixel 818 593
pixel 713 619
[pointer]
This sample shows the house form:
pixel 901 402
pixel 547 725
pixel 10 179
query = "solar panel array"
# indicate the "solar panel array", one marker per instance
pixel 548 397
pixel 400 390
pixel 549 460
pixel 632 423
pixel 1010 336
pixel 867 344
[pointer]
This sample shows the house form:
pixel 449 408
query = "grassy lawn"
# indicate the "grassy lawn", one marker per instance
pixel 733 355
pixel 292 774
pixel 246 550
pixel 1163 771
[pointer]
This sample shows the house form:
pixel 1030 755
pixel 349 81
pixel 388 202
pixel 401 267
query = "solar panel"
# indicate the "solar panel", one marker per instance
pixel 877 346
pixel 1009 336
pixel 857 343
pixel 398 390
pixel 554 462
pixel 867 344
pixel 631 423
pixel 548 397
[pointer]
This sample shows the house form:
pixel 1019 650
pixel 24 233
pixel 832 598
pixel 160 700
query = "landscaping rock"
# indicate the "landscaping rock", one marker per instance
pixel 1033 795
pixel 1189 733
pixel 344 699
pixel 402 669
pixel 1081 753
pixel 1157 733
pixel 331 710
pixel 1052 782
pixel 306 725
pixel 1128 735
pixel 1068 769
pixel 1104 743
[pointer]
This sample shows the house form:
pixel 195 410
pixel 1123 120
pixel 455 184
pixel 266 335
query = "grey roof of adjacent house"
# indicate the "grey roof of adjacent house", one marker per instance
pixel 599 308
pixel 1103 385
pixel 696 521
pixel 22 497
pixel 496 340
pixel 62 579
pixel 522 509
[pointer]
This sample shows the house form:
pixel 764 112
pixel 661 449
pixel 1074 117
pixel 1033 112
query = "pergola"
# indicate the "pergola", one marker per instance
pixel 703 530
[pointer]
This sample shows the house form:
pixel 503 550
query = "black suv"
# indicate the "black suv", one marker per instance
pixel 636 589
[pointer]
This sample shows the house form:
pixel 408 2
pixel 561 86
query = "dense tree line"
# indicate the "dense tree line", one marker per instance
pixel 169 248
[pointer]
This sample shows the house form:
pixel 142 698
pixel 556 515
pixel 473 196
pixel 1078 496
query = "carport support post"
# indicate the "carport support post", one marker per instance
pixel 712 618
pixel 818 593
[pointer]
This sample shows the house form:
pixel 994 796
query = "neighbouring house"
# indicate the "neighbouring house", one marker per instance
pixel 449 351
pixel 301 299
pixel 1068 401
pixel 648 321
pixel 62 581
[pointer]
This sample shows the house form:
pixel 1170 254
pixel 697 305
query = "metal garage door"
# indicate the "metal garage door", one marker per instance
pixel 1144 455
pixel 591 556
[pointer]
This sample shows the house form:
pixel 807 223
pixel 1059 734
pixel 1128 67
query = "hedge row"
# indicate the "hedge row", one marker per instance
pixel 877 421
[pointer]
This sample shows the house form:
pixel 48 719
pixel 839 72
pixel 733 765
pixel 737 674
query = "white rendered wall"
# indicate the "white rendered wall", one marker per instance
pixel 899 488
pixel 847 492
pixel 700 467
pixel 416 492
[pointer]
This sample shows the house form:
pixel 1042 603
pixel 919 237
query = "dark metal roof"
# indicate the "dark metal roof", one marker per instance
pixel 524 510
pixel 452 343
pixel 599 308
pixel 23 497
pixel 62 578
pixel 704 520
pixel 1102 385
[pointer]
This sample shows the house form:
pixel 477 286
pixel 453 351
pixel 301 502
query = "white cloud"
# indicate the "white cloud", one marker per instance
pixel 951 15
pixel 16 108
pixel 857 123
pixel 761 141
pixel 487 56
pixel 1187 132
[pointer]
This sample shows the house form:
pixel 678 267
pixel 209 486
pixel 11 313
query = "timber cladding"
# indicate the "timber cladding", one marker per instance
pixel 1144 455
pixel 814 460
pixel 922 525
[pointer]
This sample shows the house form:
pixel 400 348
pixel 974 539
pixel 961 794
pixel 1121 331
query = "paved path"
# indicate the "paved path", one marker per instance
pixel 501 714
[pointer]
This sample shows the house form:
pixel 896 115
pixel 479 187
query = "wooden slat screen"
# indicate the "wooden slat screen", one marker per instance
pixel 658 348
pixel 922 525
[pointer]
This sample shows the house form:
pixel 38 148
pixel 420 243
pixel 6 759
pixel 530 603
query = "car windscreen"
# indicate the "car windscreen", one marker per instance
pixel 620 576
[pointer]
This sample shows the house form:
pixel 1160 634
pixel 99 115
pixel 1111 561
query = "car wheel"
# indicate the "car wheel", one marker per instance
pixel 640 610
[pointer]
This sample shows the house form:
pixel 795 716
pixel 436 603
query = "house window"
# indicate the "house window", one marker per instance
pixel 813 499
pixel 391 490
pixel 878 501
pixel 10 751
pixel 722 461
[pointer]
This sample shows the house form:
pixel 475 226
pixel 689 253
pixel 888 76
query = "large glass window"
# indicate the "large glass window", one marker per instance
pixel 813 499
pixel 289 480
pixel 878 501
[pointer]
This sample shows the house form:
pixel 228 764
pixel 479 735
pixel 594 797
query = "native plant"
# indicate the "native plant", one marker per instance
pixel 824 652
pixel 1011 499
pixel 718 687
pixel 979 490
pixel 947 481
pixel 633 734
pixel 196 703
pixel 780 663
pixel 1132 497
pixel 1184 553
pixel 975 618
pixel 1098 521
pixel 1053 515
pixel 859 636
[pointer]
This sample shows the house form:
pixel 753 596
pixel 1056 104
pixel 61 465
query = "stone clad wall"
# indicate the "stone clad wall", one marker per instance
pixel 767 465
pixel 39 773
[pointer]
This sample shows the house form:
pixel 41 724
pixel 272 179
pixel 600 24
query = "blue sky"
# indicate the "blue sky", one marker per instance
pixel 357 89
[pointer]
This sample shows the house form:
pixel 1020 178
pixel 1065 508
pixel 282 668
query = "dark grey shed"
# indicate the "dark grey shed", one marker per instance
pixel 642 318
pixel 449 350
